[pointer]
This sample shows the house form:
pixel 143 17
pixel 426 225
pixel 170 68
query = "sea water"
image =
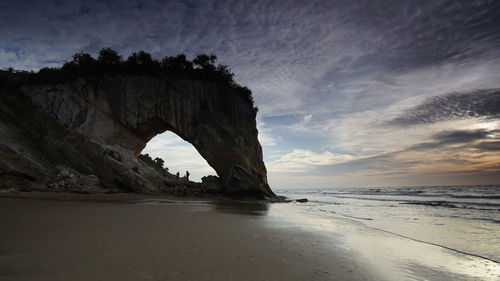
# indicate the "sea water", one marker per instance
pixel 465 219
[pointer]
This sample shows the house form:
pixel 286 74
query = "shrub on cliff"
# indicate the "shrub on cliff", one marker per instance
pixel 109 58
pixel 81 64
pixel 205 62
pixel 178 64
pixel 156 164
pixel 142 63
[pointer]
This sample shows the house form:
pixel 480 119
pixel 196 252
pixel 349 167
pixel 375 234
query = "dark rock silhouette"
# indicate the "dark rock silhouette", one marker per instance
pixel 98 125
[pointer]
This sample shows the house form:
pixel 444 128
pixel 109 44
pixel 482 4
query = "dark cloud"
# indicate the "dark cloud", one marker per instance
pixel 370 34
pixel 477 104
pixel 446 138
pixel 461 136
pixel 431 32
pixel 490 146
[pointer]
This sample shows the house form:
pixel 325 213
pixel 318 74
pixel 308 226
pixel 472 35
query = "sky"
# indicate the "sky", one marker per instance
pixel 350 93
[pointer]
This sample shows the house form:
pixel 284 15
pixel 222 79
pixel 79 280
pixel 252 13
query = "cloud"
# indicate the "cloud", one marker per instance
pixel 461 136
pixel 300 160
pixel 447 138
pixel 492 146
pixel 477 104
pixel 265 134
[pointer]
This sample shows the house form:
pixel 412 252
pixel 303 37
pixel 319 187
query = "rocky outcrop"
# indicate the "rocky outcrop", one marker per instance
pixel 99 125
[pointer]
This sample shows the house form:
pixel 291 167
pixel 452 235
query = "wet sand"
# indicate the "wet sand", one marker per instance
pixel 53 237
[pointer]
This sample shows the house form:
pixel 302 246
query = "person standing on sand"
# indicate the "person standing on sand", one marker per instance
pixel 184 189
pixel 175 189
pixel 203 188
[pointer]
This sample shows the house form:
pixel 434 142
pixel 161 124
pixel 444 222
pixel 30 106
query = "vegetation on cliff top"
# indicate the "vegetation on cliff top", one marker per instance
pixel 156 164
pixel 202 67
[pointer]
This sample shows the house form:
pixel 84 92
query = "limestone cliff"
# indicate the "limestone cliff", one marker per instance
pixel 97 126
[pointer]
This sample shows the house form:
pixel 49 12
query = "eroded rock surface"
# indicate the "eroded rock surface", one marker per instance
pixel 98 126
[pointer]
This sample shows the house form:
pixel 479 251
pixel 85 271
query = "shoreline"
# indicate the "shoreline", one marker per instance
pixel 125 197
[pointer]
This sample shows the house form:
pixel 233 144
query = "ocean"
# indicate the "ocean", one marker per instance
pixel 465 219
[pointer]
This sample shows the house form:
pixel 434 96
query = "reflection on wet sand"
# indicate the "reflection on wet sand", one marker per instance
pixel 242 207
pixel 255 208
pixel 391 256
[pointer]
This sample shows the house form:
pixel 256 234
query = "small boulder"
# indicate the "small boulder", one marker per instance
pixel 9 191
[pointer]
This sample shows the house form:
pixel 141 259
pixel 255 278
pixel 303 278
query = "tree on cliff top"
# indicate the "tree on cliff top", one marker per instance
pixel 177 64
pixel 156 164
pixel 142 62
pixel 109 57
pixel 206 62
pixel 81 63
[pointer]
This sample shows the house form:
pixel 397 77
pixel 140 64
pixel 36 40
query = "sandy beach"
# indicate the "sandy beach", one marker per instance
pixel 104 237
pixel 64 236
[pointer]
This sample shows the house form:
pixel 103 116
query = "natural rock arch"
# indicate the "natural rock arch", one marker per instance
pixel 115 116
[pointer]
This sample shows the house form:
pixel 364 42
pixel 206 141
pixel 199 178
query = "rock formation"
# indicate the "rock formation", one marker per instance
pixel 97 126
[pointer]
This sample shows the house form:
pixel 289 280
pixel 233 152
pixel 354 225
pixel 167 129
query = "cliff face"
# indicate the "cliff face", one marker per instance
pixel 98 126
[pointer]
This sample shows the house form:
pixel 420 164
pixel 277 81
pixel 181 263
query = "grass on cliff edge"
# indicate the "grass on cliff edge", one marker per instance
pixel 202 67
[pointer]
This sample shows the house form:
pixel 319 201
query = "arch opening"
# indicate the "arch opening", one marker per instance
pixel 178 156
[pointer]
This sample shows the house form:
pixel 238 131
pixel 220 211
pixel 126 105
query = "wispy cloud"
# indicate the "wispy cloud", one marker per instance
pixel 300 160
pixel 477 104
pixel 265 138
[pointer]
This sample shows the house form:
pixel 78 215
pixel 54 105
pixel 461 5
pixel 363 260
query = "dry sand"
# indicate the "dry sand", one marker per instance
pixel 100 237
